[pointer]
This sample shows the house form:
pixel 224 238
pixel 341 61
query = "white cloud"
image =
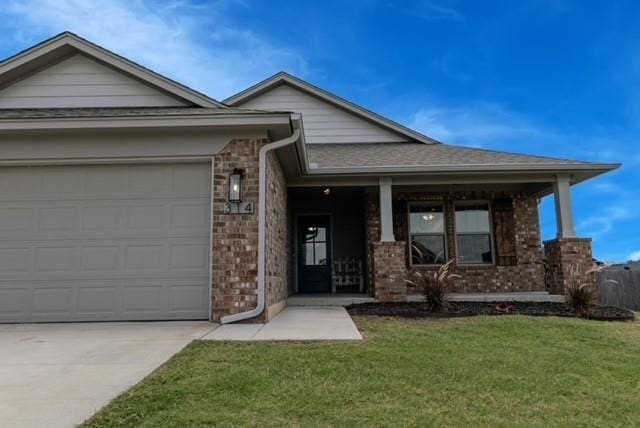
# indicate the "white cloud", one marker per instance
pixel 635 256
pixel 432 11
pixel 194 44
pixel 476 124
pixel 603 221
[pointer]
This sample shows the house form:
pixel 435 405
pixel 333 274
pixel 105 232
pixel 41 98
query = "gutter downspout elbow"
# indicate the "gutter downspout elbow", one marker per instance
pixel 262 222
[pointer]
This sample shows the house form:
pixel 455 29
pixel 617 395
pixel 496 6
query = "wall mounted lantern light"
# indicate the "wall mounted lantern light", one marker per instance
pixel 235 185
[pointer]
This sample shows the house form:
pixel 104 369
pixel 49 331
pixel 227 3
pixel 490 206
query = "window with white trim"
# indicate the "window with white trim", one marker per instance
pixel 473 233
pixel 427 234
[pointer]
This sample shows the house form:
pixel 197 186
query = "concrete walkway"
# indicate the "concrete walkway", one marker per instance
pixel 58 375
pixel 294 323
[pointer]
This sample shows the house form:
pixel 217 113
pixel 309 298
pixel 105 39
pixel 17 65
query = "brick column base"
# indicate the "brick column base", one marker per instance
pixel 389 271
pixel 563 253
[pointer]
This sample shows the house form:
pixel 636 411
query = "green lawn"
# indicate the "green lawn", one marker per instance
pixel 482 371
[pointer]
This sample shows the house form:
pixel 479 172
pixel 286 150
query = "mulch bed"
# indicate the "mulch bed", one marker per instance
pixel 466 309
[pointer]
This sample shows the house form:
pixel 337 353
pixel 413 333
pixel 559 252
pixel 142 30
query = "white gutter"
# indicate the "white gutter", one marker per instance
pixel 262 221
pixel 16 124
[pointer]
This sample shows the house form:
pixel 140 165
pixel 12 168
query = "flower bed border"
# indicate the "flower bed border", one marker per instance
pixel 468 309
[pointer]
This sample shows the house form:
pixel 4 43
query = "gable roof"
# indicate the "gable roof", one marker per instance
pixel 283 78
pixel 65 44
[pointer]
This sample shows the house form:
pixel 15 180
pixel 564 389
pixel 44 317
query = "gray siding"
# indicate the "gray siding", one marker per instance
pixel 81 82
pixel 323 123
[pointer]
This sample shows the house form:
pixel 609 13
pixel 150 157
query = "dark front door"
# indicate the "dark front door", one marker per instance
pixel 314 254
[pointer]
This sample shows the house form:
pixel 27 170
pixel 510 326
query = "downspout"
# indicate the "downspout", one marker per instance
pixel 262 222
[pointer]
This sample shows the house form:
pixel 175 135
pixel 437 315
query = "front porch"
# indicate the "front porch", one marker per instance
pixel 353 244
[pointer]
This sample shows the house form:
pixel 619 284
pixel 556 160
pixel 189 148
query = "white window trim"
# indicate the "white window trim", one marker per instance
pixel 491 231
pixel 443 234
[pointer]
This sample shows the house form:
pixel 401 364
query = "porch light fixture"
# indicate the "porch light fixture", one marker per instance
pixel 326 191
pixel 235 185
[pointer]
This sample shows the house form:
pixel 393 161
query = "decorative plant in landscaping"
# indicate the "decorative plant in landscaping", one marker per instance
pixel 582 294
pixel 505 308
pixel 435 286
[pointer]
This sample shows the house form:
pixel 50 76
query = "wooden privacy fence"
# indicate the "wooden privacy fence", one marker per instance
pixel 623 293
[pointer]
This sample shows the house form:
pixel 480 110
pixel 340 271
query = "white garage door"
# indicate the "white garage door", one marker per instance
pixel 113 242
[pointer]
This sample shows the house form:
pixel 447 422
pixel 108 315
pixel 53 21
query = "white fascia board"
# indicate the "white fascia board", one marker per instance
pixel 477 168
pixel 144 122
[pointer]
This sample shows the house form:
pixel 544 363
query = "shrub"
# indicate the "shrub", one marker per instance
pixel 434 286
pixel 582 293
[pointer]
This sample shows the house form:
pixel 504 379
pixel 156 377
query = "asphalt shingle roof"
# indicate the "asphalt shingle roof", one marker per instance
pixel 52 113
pixel 363 155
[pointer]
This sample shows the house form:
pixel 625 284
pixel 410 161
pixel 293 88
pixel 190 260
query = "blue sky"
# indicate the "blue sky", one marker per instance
pixel 559 78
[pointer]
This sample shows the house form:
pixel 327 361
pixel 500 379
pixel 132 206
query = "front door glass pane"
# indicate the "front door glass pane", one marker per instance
pixel 314 247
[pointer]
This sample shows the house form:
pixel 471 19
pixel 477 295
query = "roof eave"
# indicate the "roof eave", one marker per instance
pixel 169 121
pixel 476 169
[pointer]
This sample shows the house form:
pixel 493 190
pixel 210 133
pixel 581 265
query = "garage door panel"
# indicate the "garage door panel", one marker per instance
pixel 143 217
pixel 57 300
pixel 105 181
pixel 145 257
pixel 62 181
pixel 188 257
pixel 101 218
pixel 105 258
pixel 15 260
pixel 99 300
pixel 143 298
pixel 152 179
pixel 187 298
pixel 18 182
pixel 187 180
pixel 13 302
pixel 130 254
pixel 16 219
pixel 57 219
pixel 54 259
pixel 189 216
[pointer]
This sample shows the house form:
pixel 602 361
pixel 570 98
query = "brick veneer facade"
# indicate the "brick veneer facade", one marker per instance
pixel 277 238
pixel 561 255
pixel 235 236
pixel 389 271
pixel 518 253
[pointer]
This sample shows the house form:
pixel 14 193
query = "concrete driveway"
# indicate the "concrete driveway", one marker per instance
pixel 57 375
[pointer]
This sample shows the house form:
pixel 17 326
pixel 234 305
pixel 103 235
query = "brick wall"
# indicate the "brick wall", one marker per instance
pixel 519 264
pixel 389 271
pixel 277 238
pixel 563 253
pixel 235 236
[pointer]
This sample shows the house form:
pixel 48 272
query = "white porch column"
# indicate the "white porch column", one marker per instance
pixel 564 213
pixel 386 210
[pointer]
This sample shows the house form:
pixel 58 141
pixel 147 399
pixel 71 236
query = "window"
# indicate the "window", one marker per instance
pixel 315 246
pixel 473 233
pixel 426 227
